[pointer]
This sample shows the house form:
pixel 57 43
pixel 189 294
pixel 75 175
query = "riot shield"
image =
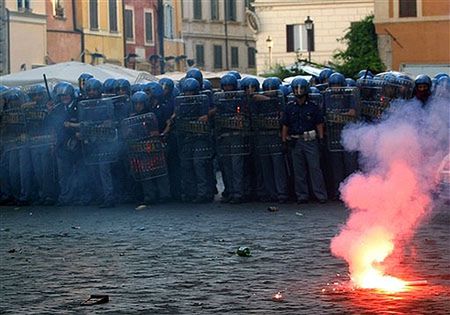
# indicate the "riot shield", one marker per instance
pixel 338 101
pixel 98 130
pixel 316 99
pixel 371 98
pixel 394 88
pixel 38 133
pixel 266 116
pixel 193 134
pixel 232 123
pixel 12 129
pixel 146 152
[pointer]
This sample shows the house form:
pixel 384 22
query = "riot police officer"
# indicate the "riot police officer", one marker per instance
pixel 422 89
pixel 303 128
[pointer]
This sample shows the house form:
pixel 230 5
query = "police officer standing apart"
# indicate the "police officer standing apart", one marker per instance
pixel 303 128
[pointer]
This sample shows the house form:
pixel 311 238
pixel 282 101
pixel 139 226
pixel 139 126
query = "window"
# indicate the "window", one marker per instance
pixel 230 7
pixel 168 21
pixel 129 31
pixel 200 55
pixel 235 57
pixel 93 14
pixel 113 15
pixel 58 8
pixel 251 54
pixel 23 5
pixel 148 27
pixel 214 10
pixel 408 8
pixel 296 38
pixel 198 9
pixel 218 57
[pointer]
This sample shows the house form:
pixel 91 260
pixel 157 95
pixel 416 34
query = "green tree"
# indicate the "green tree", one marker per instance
pixel 361 52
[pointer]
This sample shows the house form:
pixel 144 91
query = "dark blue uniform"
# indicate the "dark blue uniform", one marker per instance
pixel 301 121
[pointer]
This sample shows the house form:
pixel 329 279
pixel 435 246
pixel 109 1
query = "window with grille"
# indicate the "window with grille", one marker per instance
pixel 198 9
pixel 296 38
pixel 93 14
pixel 235 57
pixel 251 55
pixel 148 27
pixel 407 8
pixel 113 15
pixel 200 55
pixel 218 57
pixel 129 32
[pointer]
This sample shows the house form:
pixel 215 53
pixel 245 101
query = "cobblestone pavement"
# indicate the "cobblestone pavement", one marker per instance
pixel 180 259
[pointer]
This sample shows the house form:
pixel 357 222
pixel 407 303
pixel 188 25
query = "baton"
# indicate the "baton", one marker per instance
pixel 46 86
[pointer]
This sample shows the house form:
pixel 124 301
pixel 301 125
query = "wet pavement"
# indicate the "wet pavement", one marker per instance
pixel 180 259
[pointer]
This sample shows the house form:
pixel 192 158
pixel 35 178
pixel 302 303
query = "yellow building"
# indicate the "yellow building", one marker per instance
pixel 101 22
pixel 173 41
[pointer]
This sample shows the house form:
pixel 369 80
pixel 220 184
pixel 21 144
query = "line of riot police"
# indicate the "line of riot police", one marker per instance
pixel 113 142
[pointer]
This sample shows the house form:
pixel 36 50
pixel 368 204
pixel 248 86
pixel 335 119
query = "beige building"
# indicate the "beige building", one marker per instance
pixel 216 43
pixel 283 21
pixel 27 34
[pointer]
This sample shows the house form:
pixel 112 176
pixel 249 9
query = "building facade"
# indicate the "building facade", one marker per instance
pixel 217 35
pixel 101 22
pixel 141 35
pixel 63 38
pixel 282 24
pixel 414 36
pixel 26 34
pixel 175 57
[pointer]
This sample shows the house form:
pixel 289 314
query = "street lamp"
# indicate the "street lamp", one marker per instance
pixel 309 25
pixel 269 42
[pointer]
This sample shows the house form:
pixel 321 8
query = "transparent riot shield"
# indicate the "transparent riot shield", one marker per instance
pixel 232 123
pixel 39 134
pixel 98 131
pixel 338 102
pixel 394 88
pixel 371 98
pixel 266 115
pixel 122 106
pixel 12 129
pixel 317 99
pixel 146 151
pixel 193 133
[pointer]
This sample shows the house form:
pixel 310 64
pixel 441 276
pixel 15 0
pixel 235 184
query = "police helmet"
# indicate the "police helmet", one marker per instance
pixel 235 73
pixel 337 80
pixel 157 91
pixel 195 74
pixel 325 74
pixel 271 83
pixel 93 85
pixel 313 89
pixel 37 89
pixel 167 84
pixel 350 82
pixel 207 85
pixel 248 82
pixel 440 75
pixel 123 85
pixel 364 74
pixel 191 85
pixel 109 86
pixel 140 97
pixel 229 79
pixel 63 89
pixel 83 78
pixel 135 88
pixel 423 79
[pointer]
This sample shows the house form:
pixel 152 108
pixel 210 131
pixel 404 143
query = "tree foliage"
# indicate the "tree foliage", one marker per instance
pixel 361 52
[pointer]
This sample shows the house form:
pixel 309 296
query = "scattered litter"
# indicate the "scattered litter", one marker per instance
pixel 299 213
pixel 5 230
pixel 96 299
pixel 142 229
pixel 31 213
pixel 141 207
pixel 273 209
pixel 75 227
pixel 278 297
pixel 17 208
pixel 243 251
pixel 13 250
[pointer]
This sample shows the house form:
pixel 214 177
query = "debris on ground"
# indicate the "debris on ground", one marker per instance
pixel 96 299
pixel 243 251
pixel 273 208
pixel 141 207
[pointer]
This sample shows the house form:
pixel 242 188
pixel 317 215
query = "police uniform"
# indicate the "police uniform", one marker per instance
pixel 301 121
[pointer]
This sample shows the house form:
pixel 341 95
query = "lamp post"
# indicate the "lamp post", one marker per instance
pixel 269 42
pixel 309 25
